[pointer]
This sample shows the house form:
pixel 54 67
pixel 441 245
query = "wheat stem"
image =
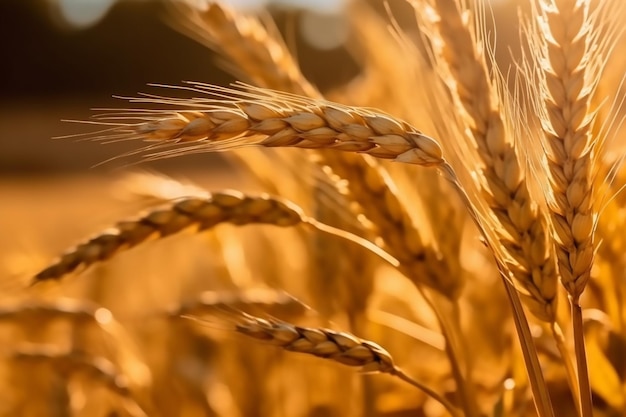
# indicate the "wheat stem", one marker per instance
pixel 428 391
pixel 584 387
pixel 538 385
pixel 541 397
pixel 572 378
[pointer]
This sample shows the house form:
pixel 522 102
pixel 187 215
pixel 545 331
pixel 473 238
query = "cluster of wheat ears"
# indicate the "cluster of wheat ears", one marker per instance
pixel 467 241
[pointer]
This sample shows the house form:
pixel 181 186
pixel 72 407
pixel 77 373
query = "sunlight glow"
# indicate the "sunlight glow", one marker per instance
pixel 84 13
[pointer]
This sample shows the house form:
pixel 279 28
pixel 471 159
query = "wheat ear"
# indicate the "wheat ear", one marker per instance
pixel 505 189
pixel 420 262
pixel 566 89
pixel 234 118
pixel 200 212
pixel 340 347
pixel 77 311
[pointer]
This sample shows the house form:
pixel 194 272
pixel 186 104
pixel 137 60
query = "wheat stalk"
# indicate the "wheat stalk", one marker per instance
pixel 197 212
pixel 568 80
pixel 519 238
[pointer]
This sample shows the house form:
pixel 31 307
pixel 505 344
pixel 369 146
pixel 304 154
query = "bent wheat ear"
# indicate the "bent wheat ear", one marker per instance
pixel 329 344
pixel 200 212
pixel 233 118
pixel 340 347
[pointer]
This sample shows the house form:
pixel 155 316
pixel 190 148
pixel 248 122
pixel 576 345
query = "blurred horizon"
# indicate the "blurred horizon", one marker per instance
pixel 56 73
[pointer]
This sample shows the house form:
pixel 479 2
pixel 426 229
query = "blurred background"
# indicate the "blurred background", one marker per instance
pixel 63 57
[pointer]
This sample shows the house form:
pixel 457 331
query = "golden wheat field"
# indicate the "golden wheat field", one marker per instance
pixel 437 230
